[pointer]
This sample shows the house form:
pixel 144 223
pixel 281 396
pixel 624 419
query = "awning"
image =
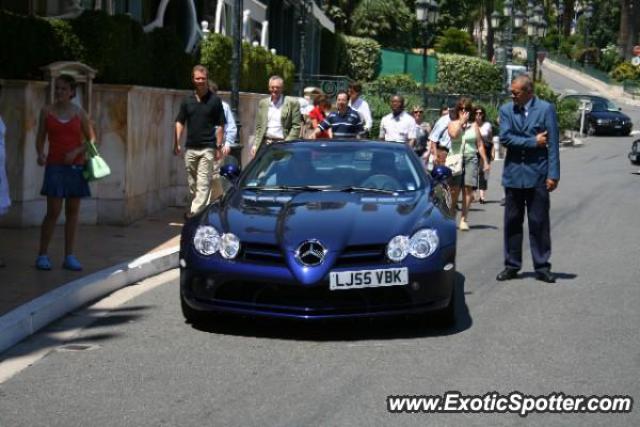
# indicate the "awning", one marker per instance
pixel 323 19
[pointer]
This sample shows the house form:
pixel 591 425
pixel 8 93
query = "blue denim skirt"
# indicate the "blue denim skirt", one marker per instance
pixel 64 181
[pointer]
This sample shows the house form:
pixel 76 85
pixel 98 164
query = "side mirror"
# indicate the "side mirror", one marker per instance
pixel 231 172
pixel 441 173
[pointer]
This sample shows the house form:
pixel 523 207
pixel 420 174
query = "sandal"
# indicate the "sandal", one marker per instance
pixel 71 263
pixel 43 263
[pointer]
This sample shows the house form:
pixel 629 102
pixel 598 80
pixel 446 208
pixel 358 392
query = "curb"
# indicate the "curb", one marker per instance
pixel 29 318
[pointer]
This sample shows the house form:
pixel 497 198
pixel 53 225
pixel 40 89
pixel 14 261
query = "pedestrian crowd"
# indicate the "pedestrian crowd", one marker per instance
pixel 461 139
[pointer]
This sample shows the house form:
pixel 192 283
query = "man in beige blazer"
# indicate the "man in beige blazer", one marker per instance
pixel 278 117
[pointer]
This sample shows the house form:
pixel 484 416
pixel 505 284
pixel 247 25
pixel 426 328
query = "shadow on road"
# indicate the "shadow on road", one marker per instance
pixel 483 227
pixel 412 326
pixel 559 276
pixel 85 320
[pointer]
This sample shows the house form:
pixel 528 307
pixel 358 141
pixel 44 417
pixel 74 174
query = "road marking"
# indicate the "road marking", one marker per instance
pixel 54 337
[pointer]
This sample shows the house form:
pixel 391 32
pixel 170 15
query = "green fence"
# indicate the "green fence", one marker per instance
pixel 397 62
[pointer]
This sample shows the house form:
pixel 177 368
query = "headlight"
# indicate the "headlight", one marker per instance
pixel 423 243
pixel 206 240
pixel 229 246
pixel 398 248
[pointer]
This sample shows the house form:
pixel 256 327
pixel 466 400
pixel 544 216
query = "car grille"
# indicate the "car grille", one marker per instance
pixel 262 253
pixel 355 255
pixel 309 297
pixel 361 255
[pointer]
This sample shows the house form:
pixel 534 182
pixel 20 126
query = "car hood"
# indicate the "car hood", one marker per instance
pixel 609 115
pixel 338 219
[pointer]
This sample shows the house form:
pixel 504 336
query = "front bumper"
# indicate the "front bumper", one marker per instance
pixel 609 128
pixel 281 297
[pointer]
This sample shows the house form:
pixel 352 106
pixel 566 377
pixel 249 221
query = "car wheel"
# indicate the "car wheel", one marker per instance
pixel 192 315
pixel 626 132
pixel 591 130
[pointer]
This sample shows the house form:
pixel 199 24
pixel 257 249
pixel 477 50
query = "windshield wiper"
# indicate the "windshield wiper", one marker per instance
pixel 288 188
pixel 353 189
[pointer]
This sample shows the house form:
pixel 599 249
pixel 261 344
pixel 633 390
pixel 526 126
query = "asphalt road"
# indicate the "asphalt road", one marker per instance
pixel 140 364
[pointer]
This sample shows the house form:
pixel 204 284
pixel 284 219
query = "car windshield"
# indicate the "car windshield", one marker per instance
pixel 335 166
pixel 599 104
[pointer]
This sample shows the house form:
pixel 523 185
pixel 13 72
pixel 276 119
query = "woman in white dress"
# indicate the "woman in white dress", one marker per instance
pixel 5 202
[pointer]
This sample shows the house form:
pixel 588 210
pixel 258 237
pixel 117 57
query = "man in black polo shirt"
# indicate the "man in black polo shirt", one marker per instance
pixel 202 112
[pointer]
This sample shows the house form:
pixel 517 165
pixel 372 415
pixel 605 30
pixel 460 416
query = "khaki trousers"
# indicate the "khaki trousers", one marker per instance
pixel 217 189
pixel 199 163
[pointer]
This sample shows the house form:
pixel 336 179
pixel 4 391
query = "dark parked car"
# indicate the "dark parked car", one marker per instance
pixel 634 155
pixel 604 117
pixel 323 230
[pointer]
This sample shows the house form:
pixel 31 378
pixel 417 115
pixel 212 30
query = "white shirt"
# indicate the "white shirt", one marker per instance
pixel 274 119
pixel 485 131
pixel 400 128
pixel 230 129
pixel 362 107
pixel 305 106
pixel 440 132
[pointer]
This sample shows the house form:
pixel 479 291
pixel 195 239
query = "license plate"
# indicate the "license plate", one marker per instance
pixel 618 126
pixel 343 280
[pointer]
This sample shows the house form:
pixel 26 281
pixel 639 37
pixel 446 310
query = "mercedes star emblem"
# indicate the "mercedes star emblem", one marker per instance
pixel 310 253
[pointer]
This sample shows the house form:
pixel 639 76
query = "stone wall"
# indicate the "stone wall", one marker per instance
pixel 134 127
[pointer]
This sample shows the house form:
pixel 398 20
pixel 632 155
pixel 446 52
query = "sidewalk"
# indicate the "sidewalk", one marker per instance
pixel 610 91
pixel 112 257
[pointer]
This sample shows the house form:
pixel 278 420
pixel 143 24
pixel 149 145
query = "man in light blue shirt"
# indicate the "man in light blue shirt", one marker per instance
pixel 230 134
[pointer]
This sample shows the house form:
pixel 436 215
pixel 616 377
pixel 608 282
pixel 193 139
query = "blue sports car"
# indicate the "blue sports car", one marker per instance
pixel 323 230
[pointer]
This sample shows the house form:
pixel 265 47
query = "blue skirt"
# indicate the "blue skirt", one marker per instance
pixel 65 181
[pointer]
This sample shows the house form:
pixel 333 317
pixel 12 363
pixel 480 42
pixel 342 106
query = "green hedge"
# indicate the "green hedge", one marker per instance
pixel 466 74
pixel 29 43
pixel 361 59
pixel 566 109
pixel 392 83
pixel 258 64
pixel 114 45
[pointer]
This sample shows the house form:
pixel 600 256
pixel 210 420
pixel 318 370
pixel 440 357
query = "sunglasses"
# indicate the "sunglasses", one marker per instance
pixel 418 112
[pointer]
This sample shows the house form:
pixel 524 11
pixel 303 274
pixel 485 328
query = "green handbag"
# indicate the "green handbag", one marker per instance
pixel 95 168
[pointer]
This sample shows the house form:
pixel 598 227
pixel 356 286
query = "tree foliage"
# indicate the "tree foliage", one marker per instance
pixel 258 64
pixel 386 21
pixel 453 40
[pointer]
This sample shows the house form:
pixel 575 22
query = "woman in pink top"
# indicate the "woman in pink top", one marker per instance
pixel 65 125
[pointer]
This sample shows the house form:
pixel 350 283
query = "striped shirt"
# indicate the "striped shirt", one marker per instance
pixel 347 125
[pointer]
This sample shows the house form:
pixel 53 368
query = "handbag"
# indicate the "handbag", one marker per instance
pixel 95 168
pixel 455 162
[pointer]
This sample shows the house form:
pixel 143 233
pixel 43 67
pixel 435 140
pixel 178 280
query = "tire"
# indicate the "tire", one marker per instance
pixel 191 315
pixel 626 132
pixel 591 130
